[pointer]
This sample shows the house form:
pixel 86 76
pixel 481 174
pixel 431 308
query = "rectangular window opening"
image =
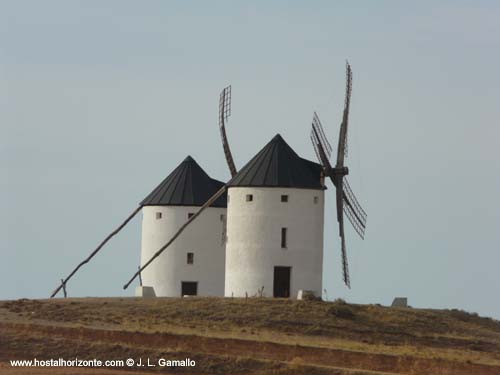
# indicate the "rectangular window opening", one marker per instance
pixel 283 238
pixel 249 197
pixel 158 215
pixel 316 200
pixel 284 198
pixel 190 258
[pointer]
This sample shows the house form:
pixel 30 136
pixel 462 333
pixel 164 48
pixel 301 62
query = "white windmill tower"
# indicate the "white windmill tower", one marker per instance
pixel 275 225
pixel 194 265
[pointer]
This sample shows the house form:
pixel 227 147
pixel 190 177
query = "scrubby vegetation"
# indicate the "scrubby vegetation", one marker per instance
pixel 437 335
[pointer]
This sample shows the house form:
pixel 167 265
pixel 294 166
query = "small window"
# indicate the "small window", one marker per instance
pixel 316 200
pixel 189 288
pixel 190 258
pixel 249 197
pixel 222 217
pixel 190 215
pixel 158 215
pixel 283 238
pixel 284 198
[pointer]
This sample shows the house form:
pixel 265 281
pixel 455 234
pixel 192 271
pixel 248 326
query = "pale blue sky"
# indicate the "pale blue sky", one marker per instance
pixel 100 100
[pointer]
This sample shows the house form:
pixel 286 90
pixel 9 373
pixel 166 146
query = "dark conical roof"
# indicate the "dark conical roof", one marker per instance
pixel 187 185
pixel 277 165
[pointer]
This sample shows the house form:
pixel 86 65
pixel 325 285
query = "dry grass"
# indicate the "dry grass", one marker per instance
pixel 451 335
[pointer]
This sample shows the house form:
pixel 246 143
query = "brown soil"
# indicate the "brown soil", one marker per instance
pixel 254 336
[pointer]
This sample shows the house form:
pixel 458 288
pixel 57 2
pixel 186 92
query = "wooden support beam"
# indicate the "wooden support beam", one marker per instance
pixel 65 281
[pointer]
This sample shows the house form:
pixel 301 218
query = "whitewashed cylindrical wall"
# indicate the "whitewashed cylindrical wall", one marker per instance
pixel 203 237
pixel 253 245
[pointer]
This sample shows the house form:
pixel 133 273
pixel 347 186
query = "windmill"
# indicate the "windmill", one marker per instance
pixel 224 113
pixel 346 200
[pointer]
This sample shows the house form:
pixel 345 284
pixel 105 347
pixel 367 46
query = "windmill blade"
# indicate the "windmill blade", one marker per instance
pixel 207 204
pixel 349 192
pixel 320 153
pixel 342 146
pixel 315 147
pixel 340 219
pixel 319 149
pixel 316 125
pixel 353 217
pixel 353 210
pixel 345 265
pixel 224 113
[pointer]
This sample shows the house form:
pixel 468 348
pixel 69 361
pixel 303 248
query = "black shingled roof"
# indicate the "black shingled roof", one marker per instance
pixel 277 165
pixel 187 185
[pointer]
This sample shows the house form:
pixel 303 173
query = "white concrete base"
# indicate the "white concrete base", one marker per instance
pixel 145 291
pixel 305 295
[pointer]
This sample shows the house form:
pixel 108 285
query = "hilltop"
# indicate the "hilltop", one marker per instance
pixel 249 336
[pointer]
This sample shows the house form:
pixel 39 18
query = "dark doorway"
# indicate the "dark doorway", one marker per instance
pixel 282 282
pixel 189 288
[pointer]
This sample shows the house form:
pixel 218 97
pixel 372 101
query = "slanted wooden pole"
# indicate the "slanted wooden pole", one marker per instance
pixel 65 281
pixel 64 288
pixel 208 203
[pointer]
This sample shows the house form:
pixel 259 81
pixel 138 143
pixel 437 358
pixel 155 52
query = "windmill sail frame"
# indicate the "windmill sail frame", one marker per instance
pixel 224 113
pixel 346 201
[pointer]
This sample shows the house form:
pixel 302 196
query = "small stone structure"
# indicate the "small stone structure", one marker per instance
pixel 400 302
pixel 145 291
